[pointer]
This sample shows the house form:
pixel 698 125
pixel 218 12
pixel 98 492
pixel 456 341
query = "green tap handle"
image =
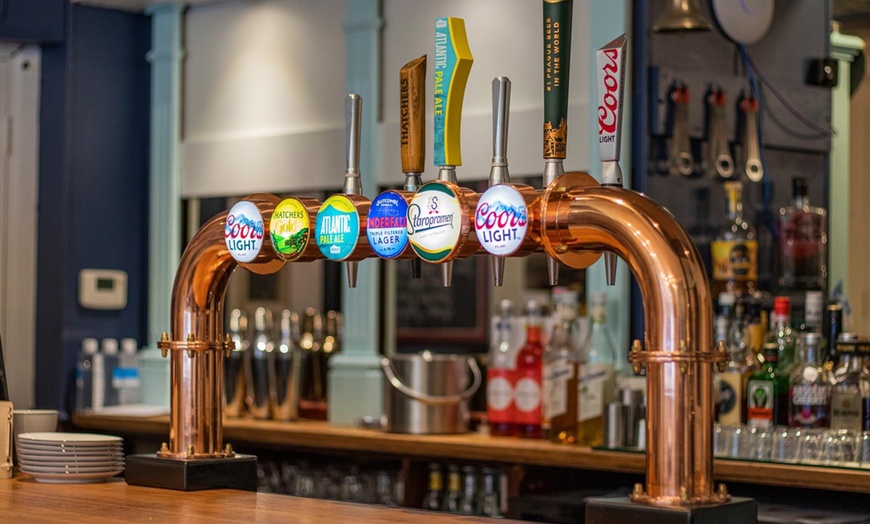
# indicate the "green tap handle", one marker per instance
pixel 557 72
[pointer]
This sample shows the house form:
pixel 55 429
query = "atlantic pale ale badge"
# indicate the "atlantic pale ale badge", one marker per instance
pixel 337 227
pixel 501 220
pixel 434 222
pixel 243 231
pixel 385 225
pixel 290 228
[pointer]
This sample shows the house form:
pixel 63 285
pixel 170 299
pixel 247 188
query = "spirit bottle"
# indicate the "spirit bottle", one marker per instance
pixel 468 502
pixel 732 381
pixel 454 490
pixel 500 376
pixel 781 334
pixel 596 382
pixel 809 398
pixel 767 392
pixel 803 242
pixel 846 396
pixel 735 249
pixel 561 360
pixel 832 326
pixel 490 505
pixel 434 497
pixel 529 377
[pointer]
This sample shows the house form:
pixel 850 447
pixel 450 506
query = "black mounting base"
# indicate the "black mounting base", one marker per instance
pixel 608 510
pixel 238 472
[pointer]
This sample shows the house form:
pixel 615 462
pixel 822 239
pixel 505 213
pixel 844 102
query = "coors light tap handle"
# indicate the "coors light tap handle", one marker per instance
pixel 452 65
pixel 610 62
pixel 498 171
pixel 412 115
pixel 557 72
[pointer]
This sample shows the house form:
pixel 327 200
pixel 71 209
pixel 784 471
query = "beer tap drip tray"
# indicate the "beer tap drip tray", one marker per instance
pixel 601 510
pixel 237 472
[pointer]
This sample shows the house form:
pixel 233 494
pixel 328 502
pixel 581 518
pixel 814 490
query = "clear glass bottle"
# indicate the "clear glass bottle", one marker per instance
pixel 596 383
pixel 454 490
pixel 489 503
pixel 735 249
pixel 501 376
pixel 109 356
pixel 814 307
pixel 732 381
pixel 434 498
pixel 809 398
pixel 126 377
pixel 468 502
pixel 85 374
pixel 803 242
pixel 782 334
pixel 561 362
pixel 767 391
pixel 846 395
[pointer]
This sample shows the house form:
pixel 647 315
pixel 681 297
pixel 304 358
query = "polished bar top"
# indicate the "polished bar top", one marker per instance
pixel 22 499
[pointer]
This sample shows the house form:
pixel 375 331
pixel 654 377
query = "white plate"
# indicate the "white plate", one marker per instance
pixel 78 439
pixel 69 469
pixel 73 478
pixel 67 449
pixel 66 462
pixel 40 452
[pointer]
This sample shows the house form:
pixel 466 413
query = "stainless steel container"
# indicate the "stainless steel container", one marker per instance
pixel 427 393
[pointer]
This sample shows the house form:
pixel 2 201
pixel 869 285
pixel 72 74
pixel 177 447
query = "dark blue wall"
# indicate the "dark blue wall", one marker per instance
pixel 93 186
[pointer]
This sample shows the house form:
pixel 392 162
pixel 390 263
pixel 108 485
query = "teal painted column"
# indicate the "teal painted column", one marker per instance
pixel 356 381
pixel 844 49
pixel 608 20
pixel 166 58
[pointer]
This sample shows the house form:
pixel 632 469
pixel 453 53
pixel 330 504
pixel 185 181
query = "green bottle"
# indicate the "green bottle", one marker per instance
pixel 767 392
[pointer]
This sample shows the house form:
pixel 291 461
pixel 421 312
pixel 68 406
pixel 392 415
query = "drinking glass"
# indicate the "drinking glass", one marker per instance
pixel 862 453
pixel 810 446
pixel 760 443
pixel 785 444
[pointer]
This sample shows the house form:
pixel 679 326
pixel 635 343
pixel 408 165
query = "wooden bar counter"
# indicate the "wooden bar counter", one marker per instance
pixel 22 499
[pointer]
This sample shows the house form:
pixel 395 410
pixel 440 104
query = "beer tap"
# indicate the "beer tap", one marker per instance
pixel 453 61
pixel 257 364
pixel 285 370
pixel 341 220
pixel 412 129
pixel 611 83
pixel 498 171
pixel 557 72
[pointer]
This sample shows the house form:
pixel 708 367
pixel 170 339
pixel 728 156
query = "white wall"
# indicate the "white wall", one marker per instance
pixel 264 90
pixel 263 97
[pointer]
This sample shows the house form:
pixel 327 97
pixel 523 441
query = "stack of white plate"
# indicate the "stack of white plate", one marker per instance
pixel 69 457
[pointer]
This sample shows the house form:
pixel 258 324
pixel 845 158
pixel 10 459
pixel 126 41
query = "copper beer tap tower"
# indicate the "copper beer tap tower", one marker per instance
pixel 573 220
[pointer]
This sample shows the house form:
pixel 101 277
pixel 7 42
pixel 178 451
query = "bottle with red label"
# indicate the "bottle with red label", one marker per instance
pixel 527 391
pixel 501 376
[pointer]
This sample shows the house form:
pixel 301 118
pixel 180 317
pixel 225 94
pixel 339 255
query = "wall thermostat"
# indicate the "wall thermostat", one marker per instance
pixel 103 288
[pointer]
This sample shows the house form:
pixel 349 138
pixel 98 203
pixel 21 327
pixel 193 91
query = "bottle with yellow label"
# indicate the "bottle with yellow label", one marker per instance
pixel 735 250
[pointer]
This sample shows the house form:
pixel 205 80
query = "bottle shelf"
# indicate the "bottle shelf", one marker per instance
pixel 245 434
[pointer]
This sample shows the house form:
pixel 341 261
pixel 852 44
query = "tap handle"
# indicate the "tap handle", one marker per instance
pixel 557 71
pixel 353 119
pixel 501 102
pixel 412 114
pixel 452 65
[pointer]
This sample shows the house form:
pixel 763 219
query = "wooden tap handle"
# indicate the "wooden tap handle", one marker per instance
pixel 412 115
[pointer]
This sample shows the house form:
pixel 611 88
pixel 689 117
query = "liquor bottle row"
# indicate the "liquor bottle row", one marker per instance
pixel 105 375
pixel 806 378
pixel 468 490
pixel 802 242
pixel 332 481
pixel 273 367
pixel 562 387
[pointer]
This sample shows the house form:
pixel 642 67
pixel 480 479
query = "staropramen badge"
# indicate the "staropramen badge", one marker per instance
pixel 434 222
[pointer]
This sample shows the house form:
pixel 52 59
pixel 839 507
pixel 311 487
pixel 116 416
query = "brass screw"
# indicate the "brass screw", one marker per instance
pixel 228 450
pixel 721 348
pixel 684 367
pixel 164 448
pixel 723 491
pixel 684 495
pixel 190 451
pixel 638 490
pixel 163 350
pixel 636 366
pixel 191 353
pixel 561 249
